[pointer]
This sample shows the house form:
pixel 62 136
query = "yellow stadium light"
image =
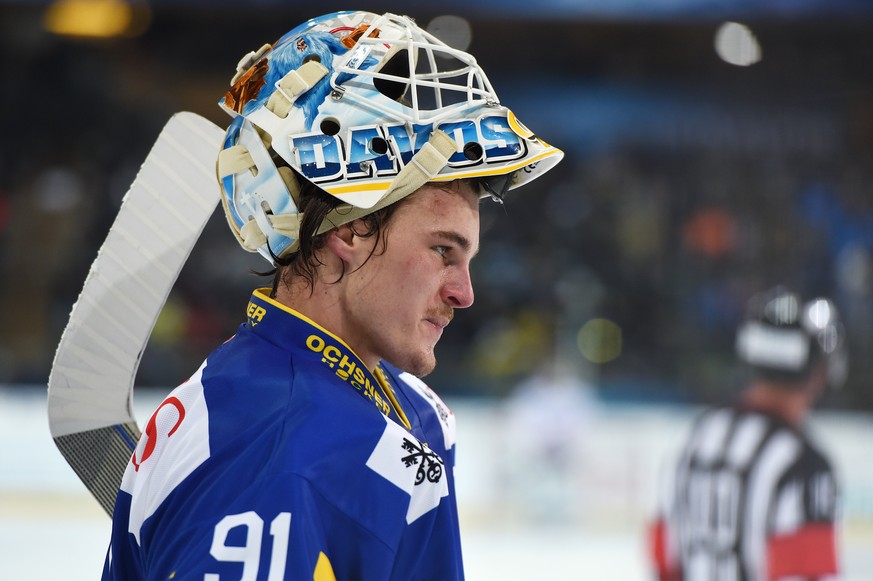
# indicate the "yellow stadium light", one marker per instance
pixel 599 340
pixel 93 18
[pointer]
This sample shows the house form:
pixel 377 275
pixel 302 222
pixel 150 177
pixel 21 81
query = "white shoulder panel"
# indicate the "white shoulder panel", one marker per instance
pixel 173 444
pixel 447 418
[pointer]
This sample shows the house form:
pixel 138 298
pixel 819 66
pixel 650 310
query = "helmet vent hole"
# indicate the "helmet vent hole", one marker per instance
pixel 311 57
pixel 473 151
pixel 266 208
pixel 330 126
pixel 378 146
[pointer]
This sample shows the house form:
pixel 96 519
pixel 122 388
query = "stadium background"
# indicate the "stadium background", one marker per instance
pixel 689 184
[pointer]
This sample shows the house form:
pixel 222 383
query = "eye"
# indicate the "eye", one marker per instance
pixel 441 250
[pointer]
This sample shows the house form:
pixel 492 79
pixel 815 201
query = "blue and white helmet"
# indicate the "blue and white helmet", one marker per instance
pixel 369 108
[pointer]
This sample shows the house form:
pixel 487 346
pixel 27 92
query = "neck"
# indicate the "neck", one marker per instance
pixel 791 405
pixel 322 303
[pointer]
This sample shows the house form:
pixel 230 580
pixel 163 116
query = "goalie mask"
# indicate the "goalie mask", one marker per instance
pixel 784 338
pixel 369 108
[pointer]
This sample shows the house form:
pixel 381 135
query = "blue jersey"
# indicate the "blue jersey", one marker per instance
pixel 284 457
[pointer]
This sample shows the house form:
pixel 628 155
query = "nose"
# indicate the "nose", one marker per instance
pixel 457 291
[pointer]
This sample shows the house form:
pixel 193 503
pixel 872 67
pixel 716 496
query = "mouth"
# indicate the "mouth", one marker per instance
pixel 439 323
pixel 439 320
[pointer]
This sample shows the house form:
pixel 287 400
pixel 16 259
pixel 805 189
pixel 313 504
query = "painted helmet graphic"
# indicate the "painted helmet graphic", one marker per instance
pixel 369 108
pixel 784 337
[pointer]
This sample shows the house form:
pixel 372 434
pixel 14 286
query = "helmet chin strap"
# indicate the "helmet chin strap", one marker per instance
pixel 421 169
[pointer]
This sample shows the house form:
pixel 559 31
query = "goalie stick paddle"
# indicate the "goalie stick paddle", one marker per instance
pixel 90 388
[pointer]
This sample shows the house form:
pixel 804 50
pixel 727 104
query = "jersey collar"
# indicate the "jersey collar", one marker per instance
pixel 291 330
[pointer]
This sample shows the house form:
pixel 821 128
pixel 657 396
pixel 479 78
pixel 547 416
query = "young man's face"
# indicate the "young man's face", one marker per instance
pixel 399 302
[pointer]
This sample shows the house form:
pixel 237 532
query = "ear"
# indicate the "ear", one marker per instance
pixel 341 241
pixel 353 250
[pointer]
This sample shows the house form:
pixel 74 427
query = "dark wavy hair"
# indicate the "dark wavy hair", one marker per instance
pixel 315 204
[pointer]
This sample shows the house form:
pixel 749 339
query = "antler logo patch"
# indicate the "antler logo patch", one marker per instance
pixel 411 466
pixel 431 466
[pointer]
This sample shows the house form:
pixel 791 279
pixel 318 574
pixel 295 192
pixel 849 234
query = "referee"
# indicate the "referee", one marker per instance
pixel 753 497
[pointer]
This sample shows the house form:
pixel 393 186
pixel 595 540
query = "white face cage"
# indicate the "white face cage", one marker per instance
pixel 437 80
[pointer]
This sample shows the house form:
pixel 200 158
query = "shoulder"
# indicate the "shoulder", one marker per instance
pixel 793 446
pixel 809 487
pixel 709 432
pixel 426 399
pixel 410 465
pixel 716 420
pixel 174 442
pixel 812 462
pixel 231 416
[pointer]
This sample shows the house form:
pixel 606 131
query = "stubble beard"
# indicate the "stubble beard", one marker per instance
pixel 420 363
pixel 423 365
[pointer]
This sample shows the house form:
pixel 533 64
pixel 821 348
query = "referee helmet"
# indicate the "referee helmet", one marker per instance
pixel 784 338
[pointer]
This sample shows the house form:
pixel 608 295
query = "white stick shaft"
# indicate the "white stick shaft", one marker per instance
pixel 91 383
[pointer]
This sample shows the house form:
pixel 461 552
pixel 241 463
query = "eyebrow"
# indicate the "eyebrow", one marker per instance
pixel 462 241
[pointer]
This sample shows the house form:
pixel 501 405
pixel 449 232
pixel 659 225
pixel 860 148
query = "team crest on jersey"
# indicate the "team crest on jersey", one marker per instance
pixel 430 465
pixel 411 466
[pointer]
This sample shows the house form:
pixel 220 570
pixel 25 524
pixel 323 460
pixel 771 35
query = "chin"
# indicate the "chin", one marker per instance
pixel 418 364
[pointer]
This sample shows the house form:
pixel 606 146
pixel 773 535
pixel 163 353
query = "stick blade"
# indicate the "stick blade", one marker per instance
pixel 99 458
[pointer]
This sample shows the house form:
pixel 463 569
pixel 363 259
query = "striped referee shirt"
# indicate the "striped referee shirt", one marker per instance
pixel 751 499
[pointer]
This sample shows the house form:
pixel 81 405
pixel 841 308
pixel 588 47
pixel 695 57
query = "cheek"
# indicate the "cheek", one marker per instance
pixel 418 274
pixel 393 287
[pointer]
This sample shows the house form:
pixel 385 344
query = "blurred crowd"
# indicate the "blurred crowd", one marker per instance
pixel 630 263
